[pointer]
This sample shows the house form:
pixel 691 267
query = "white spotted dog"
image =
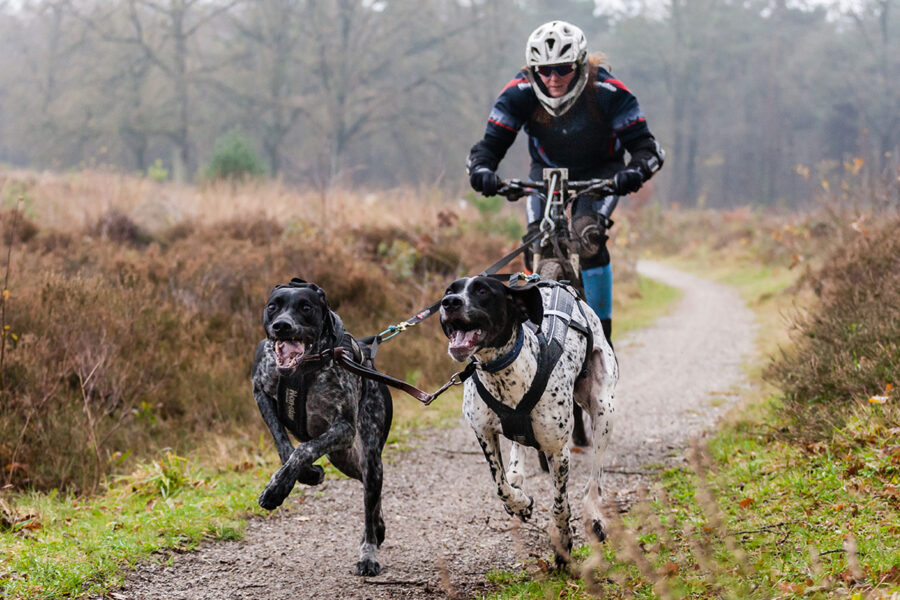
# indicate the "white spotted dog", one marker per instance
pixel 525 380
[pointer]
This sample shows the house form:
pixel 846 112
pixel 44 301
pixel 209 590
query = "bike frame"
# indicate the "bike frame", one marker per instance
pixel 557 191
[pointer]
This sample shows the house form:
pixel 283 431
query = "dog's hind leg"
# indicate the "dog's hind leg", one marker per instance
pixel 596 391
pixel 562 512
pixel 516 502
pixel 515 474
pixel 579 435
pixel 373 534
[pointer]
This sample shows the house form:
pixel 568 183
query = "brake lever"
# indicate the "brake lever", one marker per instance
pixel 512 194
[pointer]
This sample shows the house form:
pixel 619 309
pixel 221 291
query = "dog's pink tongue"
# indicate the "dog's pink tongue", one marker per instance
pixel 289 349
pixel 462 339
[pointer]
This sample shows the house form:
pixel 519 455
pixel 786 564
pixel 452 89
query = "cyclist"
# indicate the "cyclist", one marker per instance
pixel 577 116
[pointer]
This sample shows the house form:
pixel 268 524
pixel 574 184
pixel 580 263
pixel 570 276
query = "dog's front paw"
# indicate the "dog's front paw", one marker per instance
pixel 368 567
pixel 313 475
pixel 598 530
pixel 523 511
pixel 276 491
pixel 562 555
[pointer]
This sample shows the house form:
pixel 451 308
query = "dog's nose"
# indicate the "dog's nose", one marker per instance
pixel 281 326
pixel 451 303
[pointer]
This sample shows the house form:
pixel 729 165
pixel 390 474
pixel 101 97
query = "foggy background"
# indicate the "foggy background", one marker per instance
pixel 755 101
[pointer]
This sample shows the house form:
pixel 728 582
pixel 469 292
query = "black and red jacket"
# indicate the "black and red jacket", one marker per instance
pixel 590 139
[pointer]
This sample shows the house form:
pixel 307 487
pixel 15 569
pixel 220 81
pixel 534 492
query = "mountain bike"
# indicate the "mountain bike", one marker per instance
pixel 556 251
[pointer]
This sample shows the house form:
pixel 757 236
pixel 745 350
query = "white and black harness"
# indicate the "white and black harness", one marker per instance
pixel 551 336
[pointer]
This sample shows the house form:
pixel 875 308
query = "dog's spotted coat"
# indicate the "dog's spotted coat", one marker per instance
pixel 334 413
pixel 481 316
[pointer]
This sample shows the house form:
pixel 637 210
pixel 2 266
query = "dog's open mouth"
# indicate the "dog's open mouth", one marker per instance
pixel 288 353
pixel 463 342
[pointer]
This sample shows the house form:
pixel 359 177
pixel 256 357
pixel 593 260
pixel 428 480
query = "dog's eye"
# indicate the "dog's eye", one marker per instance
pixel 271 308
pixel 306 307
pixel 481 291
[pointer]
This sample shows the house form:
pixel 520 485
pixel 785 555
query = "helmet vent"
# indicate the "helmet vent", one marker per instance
pixel 565 49
pixel 550 43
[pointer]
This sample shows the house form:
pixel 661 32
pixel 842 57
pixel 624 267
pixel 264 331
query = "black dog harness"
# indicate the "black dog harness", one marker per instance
pixel 551 336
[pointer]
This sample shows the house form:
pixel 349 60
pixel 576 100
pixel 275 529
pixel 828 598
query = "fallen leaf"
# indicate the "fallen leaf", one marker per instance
pixel 891 491
pixel 29 522
pixel 848 578
pixel 892 575
pixel 746 502
pixel 791 588
pixel 669 569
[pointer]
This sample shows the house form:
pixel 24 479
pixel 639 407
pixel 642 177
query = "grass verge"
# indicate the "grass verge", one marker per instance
pixel 652 300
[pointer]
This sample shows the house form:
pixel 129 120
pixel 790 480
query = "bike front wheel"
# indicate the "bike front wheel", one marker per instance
pixel 551 269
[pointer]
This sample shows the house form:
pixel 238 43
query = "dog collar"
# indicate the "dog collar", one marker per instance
pixel 508 358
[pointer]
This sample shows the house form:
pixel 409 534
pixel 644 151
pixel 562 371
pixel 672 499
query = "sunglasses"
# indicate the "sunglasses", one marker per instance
pixel 561 70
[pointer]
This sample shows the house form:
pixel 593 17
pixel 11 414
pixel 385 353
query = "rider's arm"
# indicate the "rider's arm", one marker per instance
pixel 511 110
pixel 630 125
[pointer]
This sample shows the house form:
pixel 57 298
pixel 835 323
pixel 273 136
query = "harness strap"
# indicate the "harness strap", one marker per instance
pixel 291 400
pixel 340 356
pixel 516 422
pixel 507 359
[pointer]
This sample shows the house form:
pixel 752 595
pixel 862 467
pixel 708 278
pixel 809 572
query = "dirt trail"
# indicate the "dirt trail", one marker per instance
pixel 445 527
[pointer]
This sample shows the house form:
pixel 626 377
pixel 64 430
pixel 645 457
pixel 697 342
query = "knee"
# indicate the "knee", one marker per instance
pixel 591 233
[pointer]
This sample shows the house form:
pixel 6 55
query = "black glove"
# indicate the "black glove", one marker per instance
pixel 628 181
pixel 485 181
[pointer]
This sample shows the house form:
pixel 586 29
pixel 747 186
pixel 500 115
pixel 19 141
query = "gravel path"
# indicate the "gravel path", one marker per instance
pixel 445 527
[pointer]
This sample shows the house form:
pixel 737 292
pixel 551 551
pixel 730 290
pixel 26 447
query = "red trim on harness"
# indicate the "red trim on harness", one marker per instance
pixel 496 122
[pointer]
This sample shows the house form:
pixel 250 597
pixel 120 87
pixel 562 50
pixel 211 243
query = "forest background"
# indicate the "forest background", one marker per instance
pixel 757 101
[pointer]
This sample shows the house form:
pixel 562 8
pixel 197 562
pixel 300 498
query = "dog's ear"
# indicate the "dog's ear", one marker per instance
pixel 527 303
pixel 297 282
pixel 321 294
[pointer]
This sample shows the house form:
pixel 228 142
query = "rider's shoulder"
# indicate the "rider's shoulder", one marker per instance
pixel 606 84
pixel 518 85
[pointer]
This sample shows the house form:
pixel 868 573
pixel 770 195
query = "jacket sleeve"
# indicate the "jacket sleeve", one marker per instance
pixel 509 113
pixel 629 125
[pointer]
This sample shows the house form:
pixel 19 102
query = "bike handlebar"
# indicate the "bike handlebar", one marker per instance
pixel 514 189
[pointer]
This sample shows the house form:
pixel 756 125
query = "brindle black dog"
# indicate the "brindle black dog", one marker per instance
pixel 331 411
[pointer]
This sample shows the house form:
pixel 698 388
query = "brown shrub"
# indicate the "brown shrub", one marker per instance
pixel 16 228
pixel 847 348
pixel 127 347
pixel 116 226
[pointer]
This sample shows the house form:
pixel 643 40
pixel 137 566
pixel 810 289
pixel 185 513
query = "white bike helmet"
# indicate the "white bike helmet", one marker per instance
pixel 554 43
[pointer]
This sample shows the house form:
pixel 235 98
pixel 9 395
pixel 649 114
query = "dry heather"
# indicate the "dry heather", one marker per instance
pixel 847 348
pixel 134 307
